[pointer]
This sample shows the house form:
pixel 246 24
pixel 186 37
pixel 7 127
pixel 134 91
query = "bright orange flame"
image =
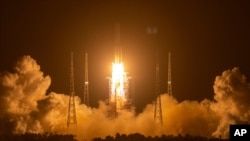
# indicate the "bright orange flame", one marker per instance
pixel 118 79
pixel 117 83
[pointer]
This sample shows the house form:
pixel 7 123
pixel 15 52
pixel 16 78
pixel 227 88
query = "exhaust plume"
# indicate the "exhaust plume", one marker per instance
pixel 27 107
pixel 232 94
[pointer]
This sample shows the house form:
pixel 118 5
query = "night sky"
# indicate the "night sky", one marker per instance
pixel 204 37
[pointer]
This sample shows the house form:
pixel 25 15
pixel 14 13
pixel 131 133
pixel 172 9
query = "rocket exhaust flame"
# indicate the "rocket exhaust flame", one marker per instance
pixel 118 86
pixel 118 83
pixel 118 77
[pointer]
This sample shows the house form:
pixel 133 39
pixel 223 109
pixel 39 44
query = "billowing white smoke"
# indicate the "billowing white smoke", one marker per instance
pixel 25 107
pixel 20 93
pixel 232 93
pixel 188 117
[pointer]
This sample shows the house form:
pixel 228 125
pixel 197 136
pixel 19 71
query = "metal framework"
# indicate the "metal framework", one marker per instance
pixel 71 109
pixel 86 83
pixel 169 75
pixel 158 109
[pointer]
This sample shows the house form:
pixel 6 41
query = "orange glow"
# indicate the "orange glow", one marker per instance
pixel 118 86
pixel 118 79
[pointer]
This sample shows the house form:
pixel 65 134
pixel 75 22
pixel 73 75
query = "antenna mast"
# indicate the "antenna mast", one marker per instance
pixel 86 83
pixel 158 110
pixel 71 108
pixel 169 75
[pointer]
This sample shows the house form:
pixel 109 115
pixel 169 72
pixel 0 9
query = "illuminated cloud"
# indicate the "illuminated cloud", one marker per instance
pixel 25 107
pixel 232 94
pixel 20 93
pixel 188 117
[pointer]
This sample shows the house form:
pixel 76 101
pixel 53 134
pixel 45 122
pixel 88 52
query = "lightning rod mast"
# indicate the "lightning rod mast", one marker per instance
pixel 86 83
pixel 169 75
pixel 71 109
pixel 158 109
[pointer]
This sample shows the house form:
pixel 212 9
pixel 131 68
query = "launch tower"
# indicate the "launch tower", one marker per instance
pixel 71 109
pixel 169 75
pixel 158 109
pixel 86 83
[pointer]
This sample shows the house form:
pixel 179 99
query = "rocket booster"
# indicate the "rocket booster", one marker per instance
pixel 118 49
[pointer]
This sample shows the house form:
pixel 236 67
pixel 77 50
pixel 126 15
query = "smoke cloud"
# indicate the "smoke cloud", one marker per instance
pixel 232 94
pixel 27 107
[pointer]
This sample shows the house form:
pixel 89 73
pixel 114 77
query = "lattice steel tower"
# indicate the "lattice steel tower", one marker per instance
pixel 169 75
pixel 86 83
pixel 71 109
pixel 158 110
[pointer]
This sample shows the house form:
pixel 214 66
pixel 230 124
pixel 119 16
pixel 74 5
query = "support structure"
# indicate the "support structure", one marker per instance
pixel 86 82
pixel 71 109
pixel 169 75
pixel 158 109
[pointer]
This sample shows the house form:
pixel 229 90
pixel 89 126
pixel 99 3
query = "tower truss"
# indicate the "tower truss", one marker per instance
pixel 71 109
pixel 158 109
pixel 169 75
pixel 86 82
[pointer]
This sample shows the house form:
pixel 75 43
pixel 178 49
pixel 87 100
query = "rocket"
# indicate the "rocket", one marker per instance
pixel 117 48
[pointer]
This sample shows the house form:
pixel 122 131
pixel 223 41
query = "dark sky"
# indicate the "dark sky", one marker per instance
pixel 205 38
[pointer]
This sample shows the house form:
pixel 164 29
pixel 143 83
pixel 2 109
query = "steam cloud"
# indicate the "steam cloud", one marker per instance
pixel 25 107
